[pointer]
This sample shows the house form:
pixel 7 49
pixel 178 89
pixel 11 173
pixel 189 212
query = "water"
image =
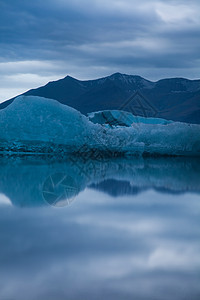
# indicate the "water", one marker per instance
pixel 112 229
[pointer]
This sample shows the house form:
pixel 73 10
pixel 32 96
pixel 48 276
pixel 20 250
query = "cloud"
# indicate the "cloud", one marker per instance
pixel 152 38
pixel 25 75
pixel 142 247
pixel 4 200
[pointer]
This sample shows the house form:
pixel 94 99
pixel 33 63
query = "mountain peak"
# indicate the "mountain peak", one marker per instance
pixel 123 76
pixel 68 77
pixel 116 75
pixel 133 82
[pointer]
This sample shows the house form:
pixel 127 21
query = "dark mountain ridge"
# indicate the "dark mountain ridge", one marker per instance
pixel 176 99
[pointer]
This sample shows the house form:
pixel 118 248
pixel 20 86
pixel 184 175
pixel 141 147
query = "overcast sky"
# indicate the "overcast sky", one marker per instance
pixel 46 40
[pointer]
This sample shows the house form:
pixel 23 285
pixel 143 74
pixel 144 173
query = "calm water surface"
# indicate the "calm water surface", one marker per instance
pixel 113 229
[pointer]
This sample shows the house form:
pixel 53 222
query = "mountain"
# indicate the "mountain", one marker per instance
pixel 176 99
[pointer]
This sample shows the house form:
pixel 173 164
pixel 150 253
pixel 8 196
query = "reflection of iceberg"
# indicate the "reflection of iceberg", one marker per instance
pixel 37 125
pixel 34 182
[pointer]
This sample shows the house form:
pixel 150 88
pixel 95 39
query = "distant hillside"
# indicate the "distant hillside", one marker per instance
pixel 177 99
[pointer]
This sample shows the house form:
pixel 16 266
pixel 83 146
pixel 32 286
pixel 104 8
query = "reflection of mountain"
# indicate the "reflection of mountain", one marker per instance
pixel 116 188
pixel 34 182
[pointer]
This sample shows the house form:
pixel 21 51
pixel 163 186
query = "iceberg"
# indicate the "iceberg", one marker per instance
pixel 34 124
pixel 122 118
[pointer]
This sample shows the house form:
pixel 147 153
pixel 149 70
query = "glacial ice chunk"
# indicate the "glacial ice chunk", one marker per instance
pixel 36 124
pixel 122 118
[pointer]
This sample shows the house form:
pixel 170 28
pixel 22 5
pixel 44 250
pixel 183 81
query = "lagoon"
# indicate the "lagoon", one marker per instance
pixel 99 229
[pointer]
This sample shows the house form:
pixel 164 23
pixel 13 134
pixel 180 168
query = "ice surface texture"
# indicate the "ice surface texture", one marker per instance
pixel 36 124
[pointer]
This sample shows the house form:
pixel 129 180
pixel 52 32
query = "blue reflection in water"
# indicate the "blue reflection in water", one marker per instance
pixel 132 231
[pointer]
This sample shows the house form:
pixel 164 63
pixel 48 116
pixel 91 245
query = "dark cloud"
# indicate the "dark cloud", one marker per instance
pixel 94 38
